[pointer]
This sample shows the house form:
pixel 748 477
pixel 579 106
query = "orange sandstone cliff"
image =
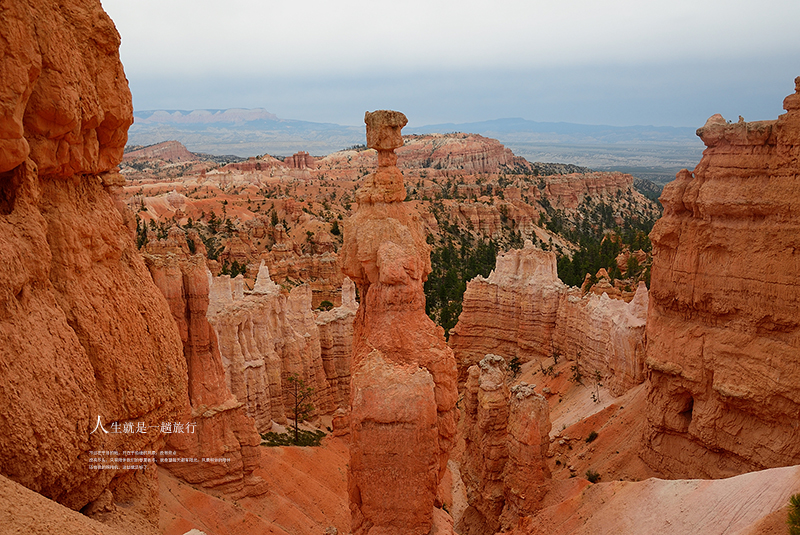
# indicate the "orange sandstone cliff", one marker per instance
pixel 723 326
pixel 80 317
pixel 523 310
pixel 223 429
pixel 266 335
pixel 507 438
pixel 403 414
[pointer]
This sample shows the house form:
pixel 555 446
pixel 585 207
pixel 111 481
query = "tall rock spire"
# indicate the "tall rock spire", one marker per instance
pixel 403 414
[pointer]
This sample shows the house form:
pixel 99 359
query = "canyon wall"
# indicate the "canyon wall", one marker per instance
pixel 456 153
pixel 723 329
pixel 266 335
pixel 80 317
pixel 223 429
pixel 403 400
pixel 524 311
pixel 512 313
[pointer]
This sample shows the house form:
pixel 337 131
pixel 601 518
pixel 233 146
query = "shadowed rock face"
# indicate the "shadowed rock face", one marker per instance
pixel 723 326
pixel 222 426
pixel 403 415
pixel 506 441
pixel 84 332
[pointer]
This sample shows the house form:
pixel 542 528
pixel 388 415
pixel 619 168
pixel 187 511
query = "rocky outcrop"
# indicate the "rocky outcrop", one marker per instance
pixel 723 329
pixel 605 336
pixel 568 191
pixel 524 311
pixel 506 441
pixel 86 338
pixel 457 153
pixel 171 151
pixel 299 160
pixel 336 345
pixel 403 413
pixel 221 427
pixel 266 335
pixel 486 452
pixel 511 313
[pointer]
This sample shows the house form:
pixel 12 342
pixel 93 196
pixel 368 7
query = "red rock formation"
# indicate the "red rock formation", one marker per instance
pixel 511 313
pixel 299 160
pixel 523 310
pixel 403 414
pixel 457 153
pixel 171 151
pixel 222 427
pixel 567 191
pixel 528 442
pixel 507 438
pixel 266 335
pixel 486 435
pixel 604 335
pixel 80 318
pixel 723 328
pixel 336 344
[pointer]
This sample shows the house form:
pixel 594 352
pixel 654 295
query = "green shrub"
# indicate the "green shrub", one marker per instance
pixel 592 476
pixel 591 437
pixel 304 438
pixel 794 515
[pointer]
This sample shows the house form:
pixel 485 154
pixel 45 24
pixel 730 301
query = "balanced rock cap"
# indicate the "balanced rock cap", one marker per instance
pixel 383 129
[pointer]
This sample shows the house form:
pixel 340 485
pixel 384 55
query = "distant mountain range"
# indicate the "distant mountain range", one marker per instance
pixel 654 152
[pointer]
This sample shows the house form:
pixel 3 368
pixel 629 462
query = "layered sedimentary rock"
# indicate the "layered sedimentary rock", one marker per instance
pixel 723 327
pixel 266 335
pixel 506 440
pixel 513 312
pixel 567 191
pixel 486 438
pixel 524 311
pixel 222 426
pixel 403 414
pixel 336 345
pixel 80 318
pixel 170 151
pixel 459 153
pixel 604 335
pixel 299 160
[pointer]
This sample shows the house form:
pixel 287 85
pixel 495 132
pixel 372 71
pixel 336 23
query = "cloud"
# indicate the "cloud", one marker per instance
pixel 359 36
pixel 667 94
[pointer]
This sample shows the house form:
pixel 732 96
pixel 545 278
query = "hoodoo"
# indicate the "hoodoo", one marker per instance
pixel 403 397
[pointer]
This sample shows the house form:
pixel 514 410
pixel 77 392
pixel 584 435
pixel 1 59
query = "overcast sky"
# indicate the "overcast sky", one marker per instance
pixel 618 62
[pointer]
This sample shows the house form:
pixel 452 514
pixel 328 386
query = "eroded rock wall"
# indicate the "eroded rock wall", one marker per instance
pixel 723 329
pixel 511 313
pixel 506 433
pixel 223 429
pixel 266 335
pixel 80 318
pixel 524 311
pixel 605 336
pixel 336 345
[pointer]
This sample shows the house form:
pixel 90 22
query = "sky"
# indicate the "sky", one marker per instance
pixel 614 62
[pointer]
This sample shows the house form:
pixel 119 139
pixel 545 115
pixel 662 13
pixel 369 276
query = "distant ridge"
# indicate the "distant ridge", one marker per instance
pixel 577 132
pixel 655 152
